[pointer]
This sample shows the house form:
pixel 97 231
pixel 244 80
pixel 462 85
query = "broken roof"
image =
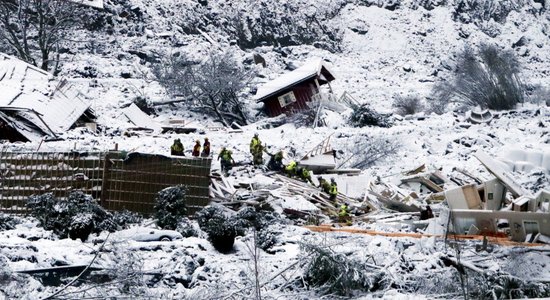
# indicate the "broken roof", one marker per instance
pixel 140 119
pixel 30 93
pixel 312 68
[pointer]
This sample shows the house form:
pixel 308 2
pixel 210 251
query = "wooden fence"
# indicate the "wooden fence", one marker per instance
pixel 117 179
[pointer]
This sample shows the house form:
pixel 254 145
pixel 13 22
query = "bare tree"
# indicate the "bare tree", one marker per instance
pixel 34 28
pixel 407 105
pixel 366 151
pixel 211 86
pixel 489 78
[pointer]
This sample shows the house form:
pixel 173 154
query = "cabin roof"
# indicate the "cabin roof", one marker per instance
pixel 311 69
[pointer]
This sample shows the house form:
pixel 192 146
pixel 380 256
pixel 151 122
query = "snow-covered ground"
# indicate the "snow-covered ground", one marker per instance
pixel 402 51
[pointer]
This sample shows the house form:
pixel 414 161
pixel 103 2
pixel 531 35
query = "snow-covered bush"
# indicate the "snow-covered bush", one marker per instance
pixel 332 272
pixel 77 213
pixel 257 219
pixel 186 228
pixel 407 105
pixel 170 206
pixel 220 228
pixel 363 115
pixel 538 94
pixel 5 270
pixel 82 225
pixel 125 217
pixel 7 222
pixel 489 78
pixel 267 237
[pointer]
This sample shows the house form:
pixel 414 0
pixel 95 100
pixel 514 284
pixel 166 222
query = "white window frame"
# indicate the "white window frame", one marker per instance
pixel 287 99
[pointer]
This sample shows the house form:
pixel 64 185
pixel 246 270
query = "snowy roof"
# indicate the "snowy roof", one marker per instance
pixel 308 70
pixel 32 91
pixel 140 119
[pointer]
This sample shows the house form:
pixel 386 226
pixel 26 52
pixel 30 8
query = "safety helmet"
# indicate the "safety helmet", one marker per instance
pixel 206 138
pixel 197 141
pixel 255 134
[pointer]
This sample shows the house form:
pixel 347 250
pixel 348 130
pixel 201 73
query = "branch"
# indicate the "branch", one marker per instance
pixel 81 273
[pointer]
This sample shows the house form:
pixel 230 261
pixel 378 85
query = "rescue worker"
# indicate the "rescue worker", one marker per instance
pixel 290 169
pixel 427 213
pixel 344 214
pixel 323 184
pixel 226 159
pixel 255 147
pixel 333 191
pixel 177 148
pixel 206 148
pixel 305 175
pixel 196 149
pixel 275 162
pixel 258 156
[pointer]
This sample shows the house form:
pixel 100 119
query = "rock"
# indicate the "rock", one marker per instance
pixel 523 41
pixel 359 26
pixel 126 74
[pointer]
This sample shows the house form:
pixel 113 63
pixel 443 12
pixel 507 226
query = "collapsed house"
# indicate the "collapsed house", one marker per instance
pixel 500 206
pixel 33 106
pixel 292 91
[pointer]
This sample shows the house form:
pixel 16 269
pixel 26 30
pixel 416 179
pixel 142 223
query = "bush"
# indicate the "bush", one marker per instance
pixel 335 273
pixel 125 217
pixel 170 207
pixel 82 224
pixel 364 115
pixel 248 217
pixel 220 228
pixel 75 217
pixel 489 79
pixel 7 222
pixel 538 94
pixel 407 105
pixel 186 228
pixel 267 238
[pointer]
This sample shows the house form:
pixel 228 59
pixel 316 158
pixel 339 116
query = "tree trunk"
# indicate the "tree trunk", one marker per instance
pixel 216 111
pixel 45 60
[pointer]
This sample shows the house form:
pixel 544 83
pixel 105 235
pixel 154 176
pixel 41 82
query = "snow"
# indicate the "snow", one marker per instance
pixel 140 119
pixel 372 68
pixel 28 87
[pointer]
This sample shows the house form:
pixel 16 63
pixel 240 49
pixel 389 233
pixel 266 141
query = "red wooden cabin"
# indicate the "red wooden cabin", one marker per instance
pixel 290 92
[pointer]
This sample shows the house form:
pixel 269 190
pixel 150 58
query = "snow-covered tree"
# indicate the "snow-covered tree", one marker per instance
pixel 33 29
pixel 210 87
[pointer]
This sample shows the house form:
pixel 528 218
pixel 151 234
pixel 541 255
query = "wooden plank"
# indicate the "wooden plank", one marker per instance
pixel 505 177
